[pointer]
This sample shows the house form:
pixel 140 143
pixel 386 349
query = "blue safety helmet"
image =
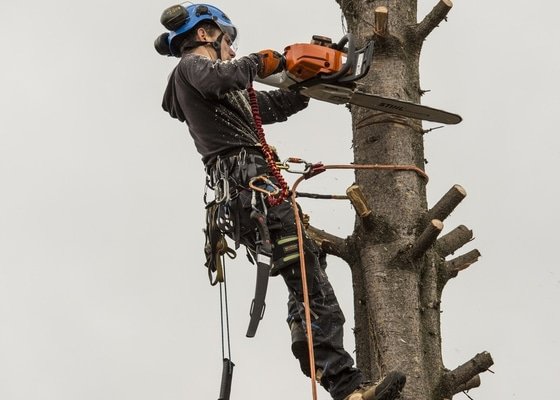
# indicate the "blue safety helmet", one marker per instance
pixel 181 19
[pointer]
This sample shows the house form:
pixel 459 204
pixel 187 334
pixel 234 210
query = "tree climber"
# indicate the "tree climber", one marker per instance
pixel 208 91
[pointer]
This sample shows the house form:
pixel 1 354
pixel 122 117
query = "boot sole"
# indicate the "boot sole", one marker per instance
pixel 395 383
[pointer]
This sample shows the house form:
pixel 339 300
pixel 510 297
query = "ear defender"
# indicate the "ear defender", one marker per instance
pixel 162 45
pixel 174 17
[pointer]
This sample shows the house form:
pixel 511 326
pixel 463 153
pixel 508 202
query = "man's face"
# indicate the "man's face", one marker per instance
pixel 225 46
pixel 227 52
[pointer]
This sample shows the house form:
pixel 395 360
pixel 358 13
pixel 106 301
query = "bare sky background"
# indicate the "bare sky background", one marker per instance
pixel 103 294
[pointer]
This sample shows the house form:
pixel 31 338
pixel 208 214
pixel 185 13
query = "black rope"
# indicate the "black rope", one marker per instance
pixel 322 196
pixel 466 394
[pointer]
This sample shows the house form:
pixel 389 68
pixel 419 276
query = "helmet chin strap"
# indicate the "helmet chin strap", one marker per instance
pixel 217 45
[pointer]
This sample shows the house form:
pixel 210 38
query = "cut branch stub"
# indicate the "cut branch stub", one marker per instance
pixel 359 201
pixel 434 17
pixel 381 24
pixel 454 381
pixel 473 383
pixel 329 243
pixel 426 239
pixel 454 240
pixel 447 203
pixel 462 262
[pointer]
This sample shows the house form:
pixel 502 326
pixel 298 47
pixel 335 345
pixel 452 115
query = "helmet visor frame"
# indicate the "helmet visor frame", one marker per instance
pixel 232 35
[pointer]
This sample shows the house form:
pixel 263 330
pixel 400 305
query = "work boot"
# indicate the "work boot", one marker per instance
pixel 387 388
pixel 299 346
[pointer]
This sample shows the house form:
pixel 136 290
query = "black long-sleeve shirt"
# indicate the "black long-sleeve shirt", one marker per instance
pixel 211 97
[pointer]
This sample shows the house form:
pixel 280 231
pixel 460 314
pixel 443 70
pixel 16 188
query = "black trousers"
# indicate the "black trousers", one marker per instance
pixel 338 375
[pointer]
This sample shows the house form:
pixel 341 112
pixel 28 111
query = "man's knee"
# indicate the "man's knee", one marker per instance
pixel 285 253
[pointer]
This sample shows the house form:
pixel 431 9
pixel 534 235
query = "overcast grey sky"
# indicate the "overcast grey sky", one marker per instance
pixel 102 290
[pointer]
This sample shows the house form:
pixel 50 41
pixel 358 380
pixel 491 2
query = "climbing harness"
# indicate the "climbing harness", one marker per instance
pixel 223 218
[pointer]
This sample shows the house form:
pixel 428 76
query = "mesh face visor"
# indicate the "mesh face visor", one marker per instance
pixel 231 32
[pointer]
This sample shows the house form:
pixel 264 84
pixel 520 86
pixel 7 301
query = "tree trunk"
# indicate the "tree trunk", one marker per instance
pixel 398 274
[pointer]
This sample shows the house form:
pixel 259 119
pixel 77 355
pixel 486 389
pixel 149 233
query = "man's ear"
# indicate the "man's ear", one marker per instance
pixel 202 34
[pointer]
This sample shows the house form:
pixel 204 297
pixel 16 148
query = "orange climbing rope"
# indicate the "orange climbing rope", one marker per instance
pixel 306 302
pixel 312 170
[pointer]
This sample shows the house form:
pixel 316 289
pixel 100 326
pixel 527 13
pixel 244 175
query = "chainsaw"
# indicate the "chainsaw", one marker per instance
pixel 328 71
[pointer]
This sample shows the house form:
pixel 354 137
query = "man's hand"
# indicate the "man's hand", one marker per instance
pixel 272 62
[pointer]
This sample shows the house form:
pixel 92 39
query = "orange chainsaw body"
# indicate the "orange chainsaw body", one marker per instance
pixel 305 61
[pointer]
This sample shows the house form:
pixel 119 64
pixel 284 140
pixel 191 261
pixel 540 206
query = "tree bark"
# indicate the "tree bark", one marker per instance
pixel 397 265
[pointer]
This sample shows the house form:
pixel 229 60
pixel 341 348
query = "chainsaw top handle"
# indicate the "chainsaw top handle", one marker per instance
pixel 350 58
pixel 356 66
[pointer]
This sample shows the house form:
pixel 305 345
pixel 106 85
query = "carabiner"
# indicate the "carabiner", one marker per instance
pixel 268 187
pixel 221 191
pixel 254 202
pixel 294 160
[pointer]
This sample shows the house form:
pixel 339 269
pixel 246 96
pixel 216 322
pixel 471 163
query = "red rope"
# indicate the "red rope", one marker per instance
pixel 268 153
